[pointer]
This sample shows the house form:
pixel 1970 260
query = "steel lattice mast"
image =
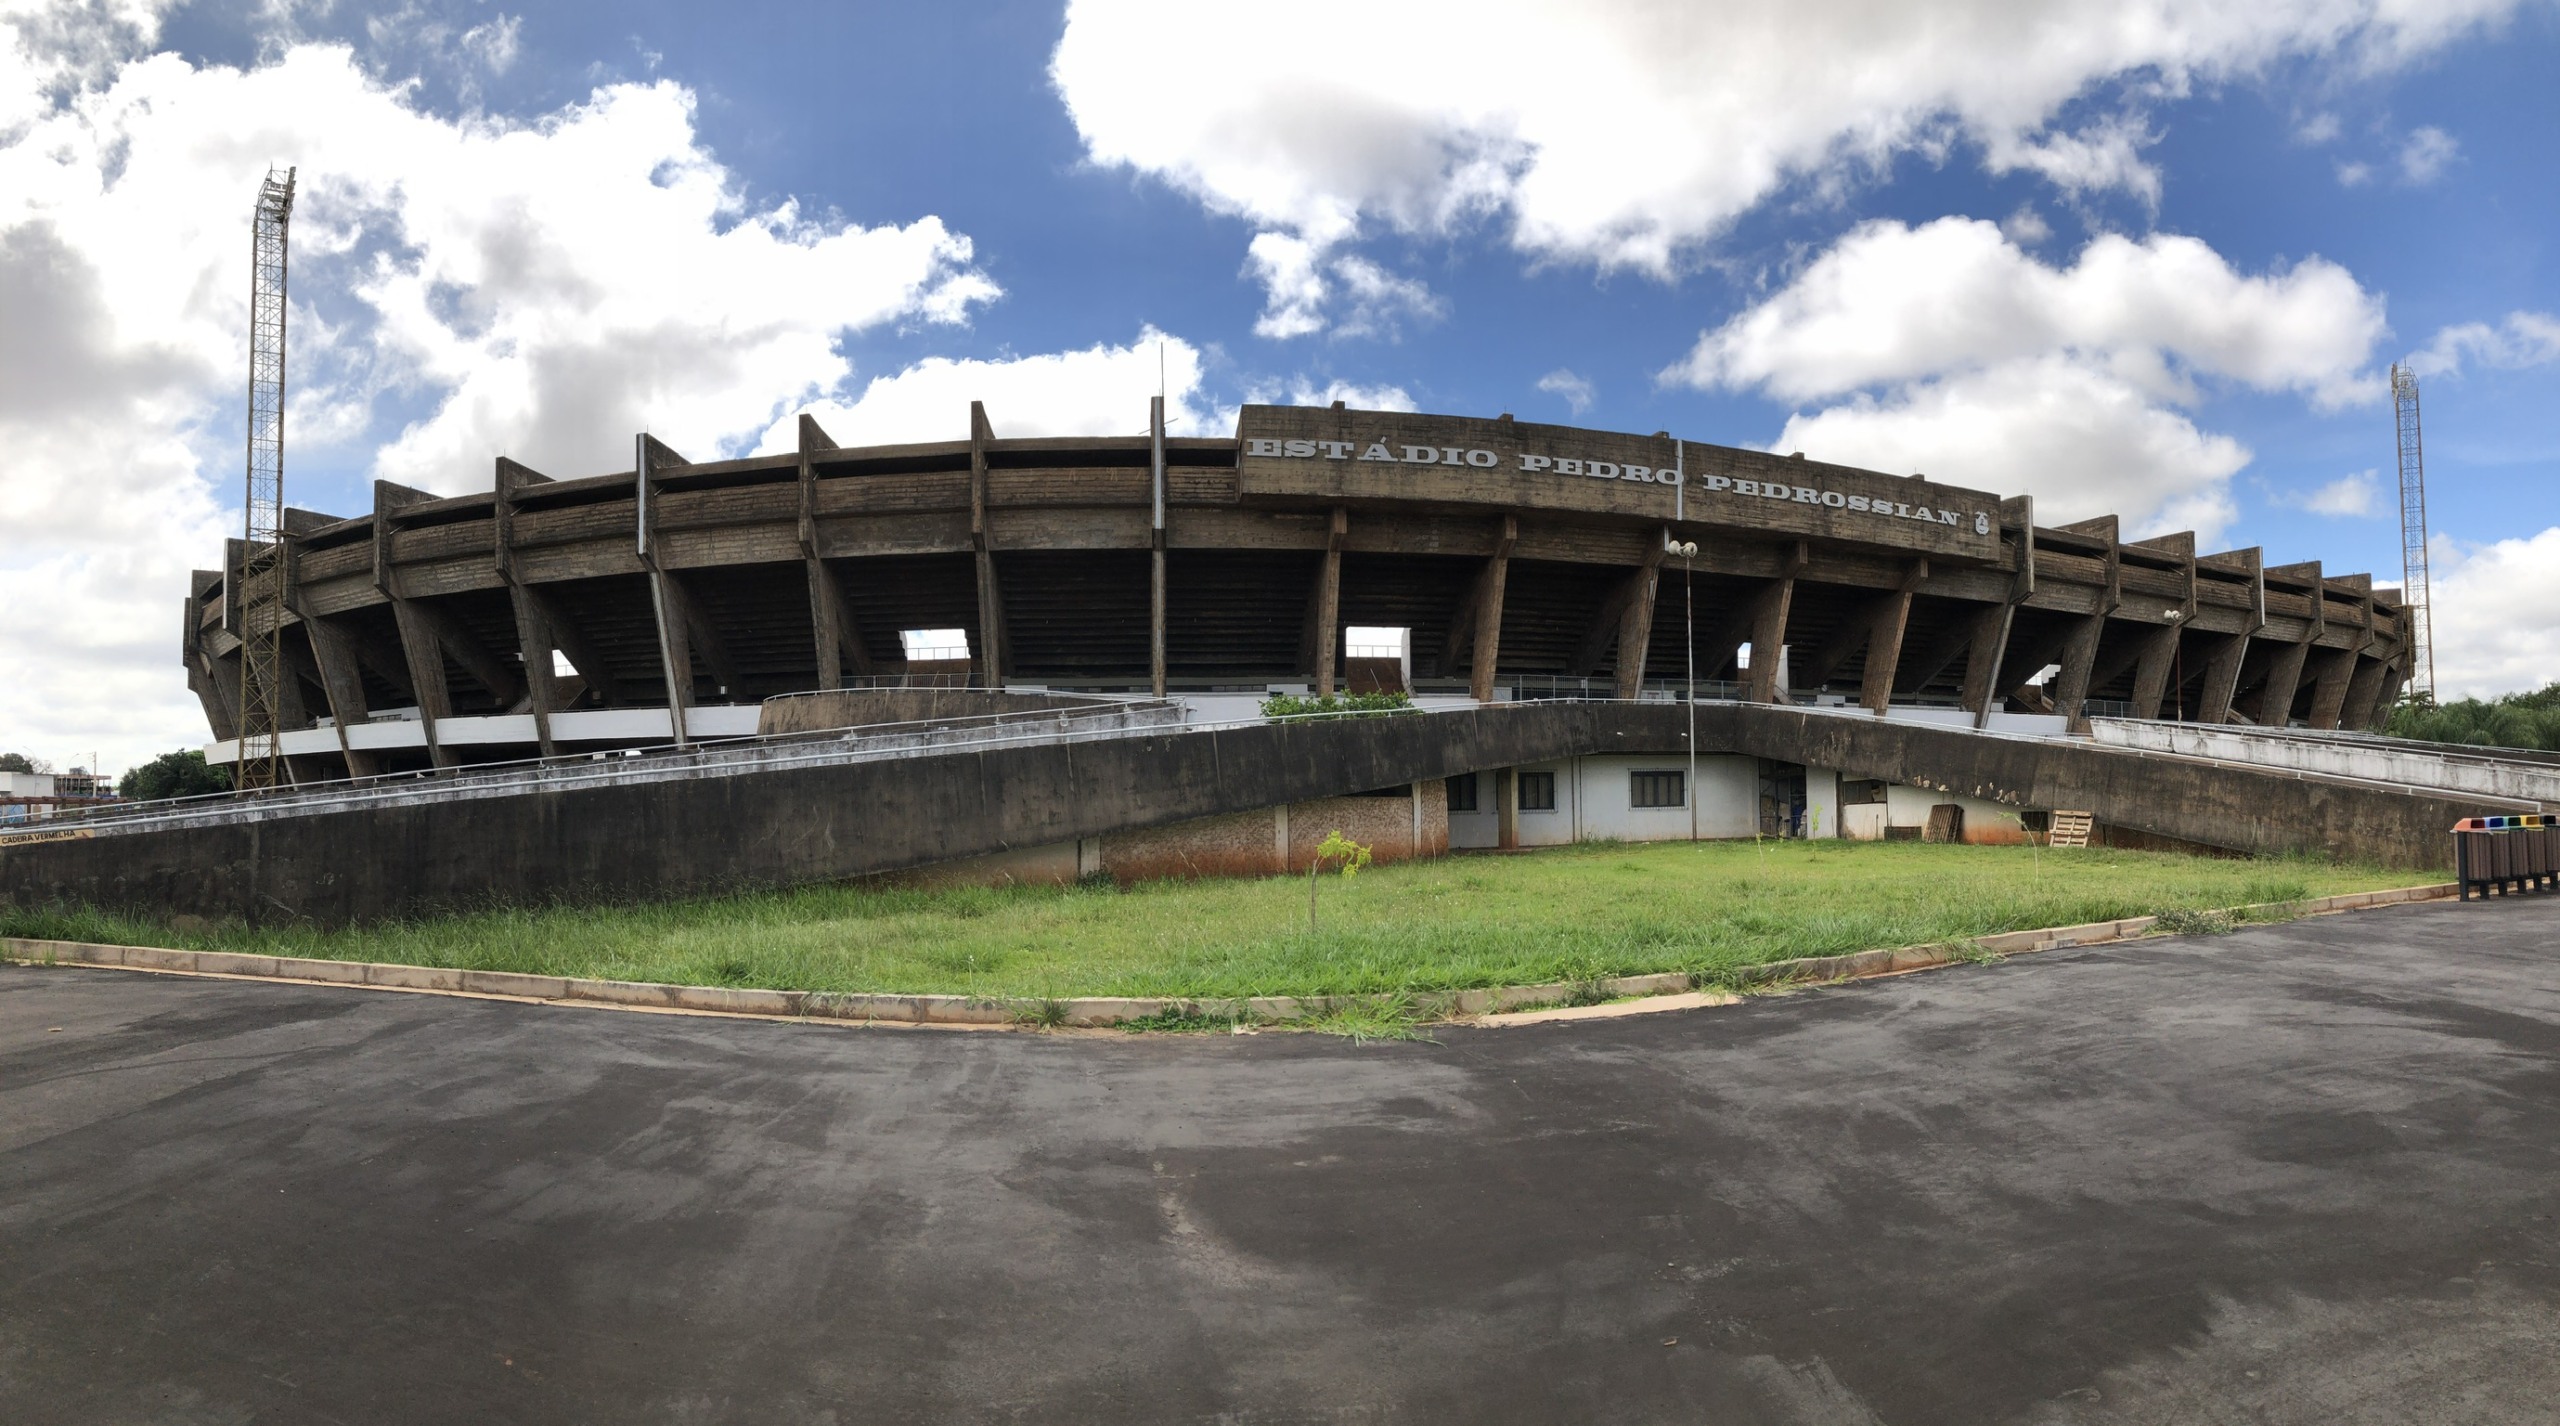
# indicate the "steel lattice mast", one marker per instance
pixel 263 554
pixel 2414 590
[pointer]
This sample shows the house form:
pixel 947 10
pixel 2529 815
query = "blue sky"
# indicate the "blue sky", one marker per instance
pixel 2151 268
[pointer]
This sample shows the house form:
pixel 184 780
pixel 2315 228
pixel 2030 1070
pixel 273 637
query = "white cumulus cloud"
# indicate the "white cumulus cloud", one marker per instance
pixel 2523 339
pixel 2427 154
pixel 1947 349
pixel 1619 132
pixel 1100 391
pixel 1577 392
pixel 2349 496
pixel 2497 616
pixel 540 289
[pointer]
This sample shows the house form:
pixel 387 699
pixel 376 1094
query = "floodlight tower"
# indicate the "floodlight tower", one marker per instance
pixel 263 555
pixel 2413 535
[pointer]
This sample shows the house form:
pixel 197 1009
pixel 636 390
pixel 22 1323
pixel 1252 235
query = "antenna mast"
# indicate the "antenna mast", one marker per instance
pixel 263 556
pixel 2414 592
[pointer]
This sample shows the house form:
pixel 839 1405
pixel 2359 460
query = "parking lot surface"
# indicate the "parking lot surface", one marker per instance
pixel 2301 1174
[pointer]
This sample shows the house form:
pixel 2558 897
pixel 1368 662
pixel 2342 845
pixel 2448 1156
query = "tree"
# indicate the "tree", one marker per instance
pixel 179 774
pixel 1343 852
pixel 20 762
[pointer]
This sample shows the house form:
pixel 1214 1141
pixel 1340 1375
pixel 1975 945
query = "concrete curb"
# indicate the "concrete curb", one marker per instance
pixel 1098 1012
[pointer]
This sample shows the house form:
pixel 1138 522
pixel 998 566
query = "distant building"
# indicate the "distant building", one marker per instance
pixel 32 796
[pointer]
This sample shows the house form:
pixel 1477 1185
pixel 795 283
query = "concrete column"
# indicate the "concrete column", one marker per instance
pixel 836 635
pixel 2364 689
pixel 675 652
pixel 535 642
pixel 343 679
pixel 1884 641
pixel 993 657
pixel 2079 661
pixel 1506 808
pixel 2386 692
pixel 1635 626
pixel 1485 626
pixel 1769 642
pixel 1320 642
pixel 2222 679
pixel 1155 564
pixel 2151 673
pixel 2329 689
pixel 2274 702
pixel 425 658
pixel 1983 654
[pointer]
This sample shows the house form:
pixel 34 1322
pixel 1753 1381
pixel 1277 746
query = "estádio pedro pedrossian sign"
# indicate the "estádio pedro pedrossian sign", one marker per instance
pixel 1531 463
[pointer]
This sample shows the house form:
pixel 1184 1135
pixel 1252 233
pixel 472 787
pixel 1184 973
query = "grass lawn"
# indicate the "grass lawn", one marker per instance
pixel 1572 913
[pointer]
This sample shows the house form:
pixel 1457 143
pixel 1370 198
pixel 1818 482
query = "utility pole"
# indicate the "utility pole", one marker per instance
pixel 2414 591
pixel 264 558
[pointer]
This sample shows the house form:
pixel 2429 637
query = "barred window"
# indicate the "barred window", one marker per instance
pixel 1537 792
pixel 1657 789
pixel 1462 792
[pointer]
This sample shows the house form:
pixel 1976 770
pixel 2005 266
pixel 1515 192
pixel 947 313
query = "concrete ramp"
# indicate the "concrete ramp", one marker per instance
pixel 798 810
pixel 2189 796
pixel 765 814
pixel 2509 773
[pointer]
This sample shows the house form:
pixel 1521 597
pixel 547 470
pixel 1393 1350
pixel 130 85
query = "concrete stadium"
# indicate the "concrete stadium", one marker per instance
pixel 1045 658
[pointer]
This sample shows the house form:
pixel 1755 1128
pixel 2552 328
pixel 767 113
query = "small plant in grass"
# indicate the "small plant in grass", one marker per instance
pixel 1349 856
pixel 1044 1014
pixel 1366 1018
pixel 1187 1020
pixel 1594 991
pixel 2187 921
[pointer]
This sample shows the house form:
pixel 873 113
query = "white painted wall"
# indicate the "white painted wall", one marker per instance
pixel 1594 802
pixel 1909 807
pixel 1822 802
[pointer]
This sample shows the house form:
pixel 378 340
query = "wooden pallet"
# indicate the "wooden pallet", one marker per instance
pixel 2070 829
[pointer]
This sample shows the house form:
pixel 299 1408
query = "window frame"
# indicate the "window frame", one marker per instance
pixel 1637 781
pixel 1547 778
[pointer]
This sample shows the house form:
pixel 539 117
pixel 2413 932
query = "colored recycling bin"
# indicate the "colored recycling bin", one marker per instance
pixel 2507 854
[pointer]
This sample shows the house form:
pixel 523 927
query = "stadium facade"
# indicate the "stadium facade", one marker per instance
pixel 662 604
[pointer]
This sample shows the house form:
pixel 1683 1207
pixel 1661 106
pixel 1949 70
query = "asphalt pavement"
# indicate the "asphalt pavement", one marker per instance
pixel 2300 1174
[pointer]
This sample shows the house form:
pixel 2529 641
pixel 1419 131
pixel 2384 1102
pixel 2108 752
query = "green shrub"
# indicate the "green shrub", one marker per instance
pixel 1366 705
pixel 179 774
pixel 2516 720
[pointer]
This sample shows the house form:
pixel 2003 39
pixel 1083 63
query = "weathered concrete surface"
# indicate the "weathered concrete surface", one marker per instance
pixel 2523 773
pixel 2306 1175
pixel 819 823
pixel 870 707
pixel 806 824
pixel 2252 809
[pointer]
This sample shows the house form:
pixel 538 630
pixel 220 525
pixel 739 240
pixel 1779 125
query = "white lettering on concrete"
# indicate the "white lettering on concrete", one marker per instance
pixel 1533 464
